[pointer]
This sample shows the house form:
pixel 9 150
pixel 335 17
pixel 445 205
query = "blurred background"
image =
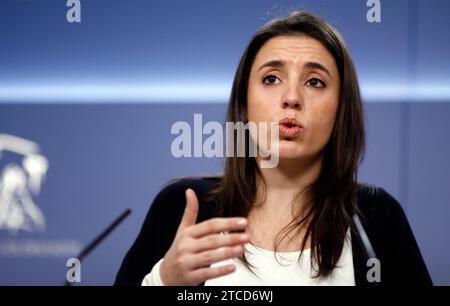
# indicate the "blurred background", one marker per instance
pixel 86 110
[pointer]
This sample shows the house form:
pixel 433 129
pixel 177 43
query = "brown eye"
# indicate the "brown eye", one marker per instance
pixel 270 80
pixel 316 83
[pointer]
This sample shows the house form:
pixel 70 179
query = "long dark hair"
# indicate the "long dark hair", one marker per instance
pixel 332 197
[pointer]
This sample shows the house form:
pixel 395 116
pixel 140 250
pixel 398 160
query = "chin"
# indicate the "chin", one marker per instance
pixel 290 150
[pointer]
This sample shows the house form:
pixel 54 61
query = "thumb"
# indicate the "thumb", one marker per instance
pixel 191 210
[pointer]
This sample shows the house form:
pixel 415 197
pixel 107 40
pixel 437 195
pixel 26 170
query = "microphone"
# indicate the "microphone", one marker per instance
pixel 364 238
pixel 91 246
pixel 370 253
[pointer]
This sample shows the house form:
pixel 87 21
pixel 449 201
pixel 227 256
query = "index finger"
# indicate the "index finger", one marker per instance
pixel 217 225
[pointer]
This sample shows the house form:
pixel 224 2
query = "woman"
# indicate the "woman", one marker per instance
pixel 291 224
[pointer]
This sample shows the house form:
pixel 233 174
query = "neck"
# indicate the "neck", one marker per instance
pixel 283 183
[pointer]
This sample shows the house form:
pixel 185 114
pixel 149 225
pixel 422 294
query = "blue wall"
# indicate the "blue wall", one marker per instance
pixel 90 95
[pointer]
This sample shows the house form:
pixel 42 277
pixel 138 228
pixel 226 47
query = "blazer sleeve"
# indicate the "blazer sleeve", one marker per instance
pixel 150 245
pixel 405 264
pixel 160 227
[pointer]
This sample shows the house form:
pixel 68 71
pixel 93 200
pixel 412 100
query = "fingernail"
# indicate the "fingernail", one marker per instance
pixel 242 221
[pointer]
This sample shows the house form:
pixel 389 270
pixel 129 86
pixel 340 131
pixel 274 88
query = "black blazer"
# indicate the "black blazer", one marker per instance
pixel 385 224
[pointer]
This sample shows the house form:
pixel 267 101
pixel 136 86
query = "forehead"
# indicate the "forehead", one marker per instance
pixel 295 49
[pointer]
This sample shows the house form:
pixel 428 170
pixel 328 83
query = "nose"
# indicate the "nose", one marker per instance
pixel 291 103
pixel 291 99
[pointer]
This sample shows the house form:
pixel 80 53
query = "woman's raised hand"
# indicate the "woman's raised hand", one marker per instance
pixel 197 246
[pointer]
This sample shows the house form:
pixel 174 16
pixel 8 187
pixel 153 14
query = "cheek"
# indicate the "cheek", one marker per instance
pixel 322 123
pixel 251 102
pixel 258 104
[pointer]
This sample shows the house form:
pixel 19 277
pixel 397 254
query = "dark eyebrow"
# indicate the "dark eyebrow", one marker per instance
pixel 274 63
pixel 315 65
pixel 310 65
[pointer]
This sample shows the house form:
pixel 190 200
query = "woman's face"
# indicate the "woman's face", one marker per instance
pixel 295 77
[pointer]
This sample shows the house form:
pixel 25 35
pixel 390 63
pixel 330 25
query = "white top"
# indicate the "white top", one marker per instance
pixel 287 271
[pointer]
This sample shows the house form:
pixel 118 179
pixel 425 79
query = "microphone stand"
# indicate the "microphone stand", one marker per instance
pixel 91 246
